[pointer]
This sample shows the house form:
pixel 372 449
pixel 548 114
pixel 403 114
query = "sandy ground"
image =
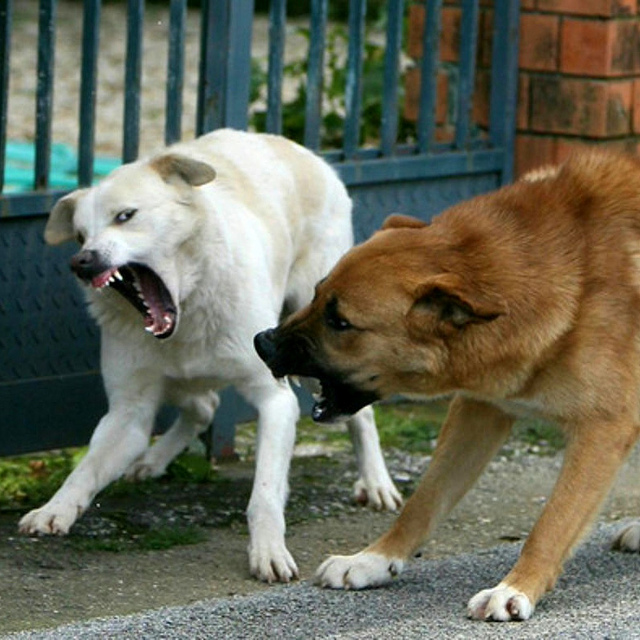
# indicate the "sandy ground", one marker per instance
pixel 47 582
pixel 111 73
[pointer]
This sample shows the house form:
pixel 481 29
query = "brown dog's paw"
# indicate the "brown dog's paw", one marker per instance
pixel 500 604
pixel 627 538
pixel 360 571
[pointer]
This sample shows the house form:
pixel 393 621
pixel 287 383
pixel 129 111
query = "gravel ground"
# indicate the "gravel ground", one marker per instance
pixel 45 583
pixel 597 598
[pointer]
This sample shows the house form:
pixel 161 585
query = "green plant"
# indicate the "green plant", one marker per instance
pixel 334 85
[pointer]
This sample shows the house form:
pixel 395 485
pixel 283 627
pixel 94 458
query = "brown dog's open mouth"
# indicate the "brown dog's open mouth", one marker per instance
pixel 339 401
pixel 146 291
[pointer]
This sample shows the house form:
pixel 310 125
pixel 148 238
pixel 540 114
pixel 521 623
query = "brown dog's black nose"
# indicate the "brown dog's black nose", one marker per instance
pixel 86 264
pixel 265 345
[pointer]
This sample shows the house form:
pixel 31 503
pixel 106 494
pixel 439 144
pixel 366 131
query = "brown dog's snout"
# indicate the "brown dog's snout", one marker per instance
pixel 265 345
pixel 86 264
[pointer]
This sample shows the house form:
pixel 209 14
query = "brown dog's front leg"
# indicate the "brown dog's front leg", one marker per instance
pixel 593 456
pixel 470 437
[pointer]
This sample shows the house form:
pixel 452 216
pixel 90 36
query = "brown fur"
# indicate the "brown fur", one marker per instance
pixel 523 301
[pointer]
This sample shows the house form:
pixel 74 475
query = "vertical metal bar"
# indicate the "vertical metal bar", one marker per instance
pixel 212 44
pixel 225 65
pixel 88 88
pixel 429 74
pixel 389 133
pixel 238 75
pixel 313 107
pixel 175 71
pixel 504 81
pixel 6 16
pixel 353 90
pixel 44 92
pixel 277 23
pixel 132 80
pixel 466 83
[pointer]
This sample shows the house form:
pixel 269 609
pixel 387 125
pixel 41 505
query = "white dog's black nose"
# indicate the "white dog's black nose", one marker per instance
pixel 86 264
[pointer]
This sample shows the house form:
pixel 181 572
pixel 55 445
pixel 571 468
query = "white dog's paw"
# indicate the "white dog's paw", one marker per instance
pixel 50 519
pixel 627 538
pixel 271 561
pixel 379 494
pixel 144 469
pixel 502 603
pixel 362 570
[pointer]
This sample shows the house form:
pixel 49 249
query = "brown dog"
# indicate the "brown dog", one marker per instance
pixel 523 301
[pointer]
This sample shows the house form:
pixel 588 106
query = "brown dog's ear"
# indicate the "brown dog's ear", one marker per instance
pixel 400 221
pixel 59 227
pixel 193 172
pixel 446 301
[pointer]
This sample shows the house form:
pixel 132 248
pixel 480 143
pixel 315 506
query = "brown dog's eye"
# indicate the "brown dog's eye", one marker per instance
pixel 333 319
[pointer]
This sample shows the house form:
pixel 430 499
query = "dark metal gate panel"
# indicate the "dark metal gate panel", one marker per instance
pixel 50 389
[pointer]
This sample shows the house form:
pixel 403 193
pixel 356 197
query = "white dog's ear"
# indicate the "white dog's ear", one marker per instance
pixel 59 227
pixel 193 172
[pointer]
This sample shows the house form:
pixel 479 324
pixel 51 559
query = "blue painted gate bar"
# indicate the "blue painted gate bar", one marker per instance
pixel 50 389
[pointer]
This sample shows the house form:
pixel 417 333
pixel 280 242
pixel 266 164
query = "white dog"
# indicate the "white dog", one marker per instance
pixel 205 244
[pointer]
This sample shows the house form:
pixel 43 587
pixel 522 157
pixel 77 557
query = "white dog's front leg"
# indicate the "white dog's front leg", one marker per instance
pixel 278 412
pixel 120 437
pixel 374 485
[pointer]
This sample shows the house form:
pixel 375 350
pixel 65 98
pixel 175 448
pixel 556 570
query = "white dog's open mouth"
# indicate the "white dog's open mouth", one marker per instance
pixel 146 291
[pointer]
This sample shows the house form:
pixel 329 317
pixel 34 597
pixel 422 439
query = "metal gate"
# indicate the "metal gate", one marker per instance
pixel 50 390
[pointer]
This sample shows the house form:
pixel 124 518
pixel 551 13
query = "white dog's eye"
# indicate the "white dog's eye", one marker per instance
pixel 80 237
pixel 125 215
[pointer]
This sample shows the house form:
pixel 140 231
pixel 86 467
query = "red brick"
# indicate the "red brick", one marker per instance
pixel 485 38
pixel 599 48
pixel 636 106
pixel 581 106
pixel 527 4
pixel 481 98
pixel 605 8
pixel 412 96
pixel 566 146
pixel 416 29
pixel 522 113
pixel 450 35
pixel 539 42
pixel 533 151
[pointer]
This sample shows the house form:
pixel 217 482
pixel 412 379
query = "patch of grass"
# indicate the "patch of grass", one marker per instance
pixel 150 540
pixel 29 480
pixel 409 426
pixel 540 436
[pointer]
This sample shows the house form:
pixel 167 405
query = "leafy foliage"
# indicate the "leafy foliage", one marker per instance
pixel 334 93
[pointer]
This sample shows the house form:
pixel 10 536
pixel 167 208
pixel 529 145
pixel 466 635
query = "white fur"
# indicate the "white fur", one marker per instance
pixel 360 571
pixel 231 252
pixel 628 538
pixel 501 604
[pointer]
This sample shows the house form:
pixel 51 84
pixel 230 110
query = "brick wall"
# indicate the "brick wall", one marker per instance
pixel 579 80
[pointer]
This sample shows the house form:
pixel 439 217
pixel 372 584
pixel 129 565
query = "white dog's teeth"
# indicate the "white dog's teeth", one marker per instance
pixel 149 329
pixel 295 381
pixel 118 275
